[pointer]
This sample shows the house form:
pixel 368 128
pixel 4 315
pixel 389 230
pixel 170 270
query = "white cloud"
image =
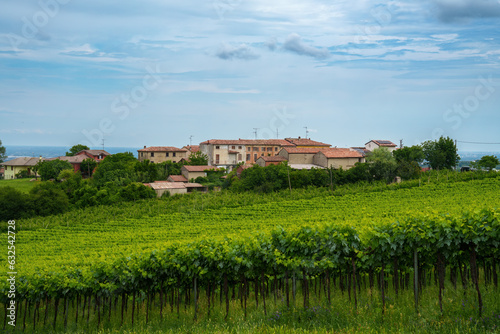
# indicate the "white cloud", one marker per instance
pixel 243 51
pixel 294 44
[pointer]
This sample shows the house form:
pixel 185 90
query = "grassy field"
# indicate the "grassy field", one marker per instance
pixel 82 238
pixel 23 185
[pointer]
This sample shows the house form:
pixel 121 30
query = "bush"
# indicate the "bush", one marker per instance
pixel 48 199
pixel 14 204
pixel 135 191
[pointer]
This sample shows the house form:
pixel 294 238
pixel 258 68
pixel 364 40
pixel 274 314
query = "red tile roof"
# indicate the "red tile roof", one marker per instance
pixel 76 159
pixel 303 150
pixel 383 143
pixel 177 178
pixel 162 149
pixel 23 161
pixel 306 142
pixel 192 148
pixel 341 153
pixel 94 152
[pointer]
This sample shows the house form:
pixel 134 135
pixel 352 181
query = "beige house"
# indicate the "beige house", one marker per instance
pixel 192 172
pixel 344 158
pixel 161 187
pixel 14 166
pixel 158 154
pixel 299 155
pixel 374 144
pixel 229 153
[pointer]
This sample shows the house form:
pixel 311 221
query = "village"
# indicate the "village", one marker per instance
pixel 221 155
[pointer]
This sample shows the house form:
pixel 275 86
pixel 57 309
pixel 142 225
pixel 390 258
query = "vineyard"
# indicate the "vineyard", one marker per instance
pixel 402 253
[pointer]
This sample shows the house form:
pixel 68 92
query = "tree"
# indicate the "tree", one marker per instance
pixel 412 153
pixel 48 199
pixel 382 164
pixel 3 156
pixel 488 161
pixel 197 159
pixel 408 160
pixel 75 149
pixel 117 168
pixel 51 169
pixel 13 204
pixel 441 153
pixel 88 165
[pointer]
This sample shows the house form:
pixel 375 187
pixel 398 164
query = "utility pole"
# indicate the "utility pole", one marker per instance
pixel 103 144
pixel 190 140
pixel 307 132
pixel 401 143
pixel 277 133
pixel 255 132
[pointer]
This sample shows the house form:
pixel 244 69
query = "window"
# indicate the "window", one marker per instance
pixel 239 147
pixel 174 161
pixel 248 148
pixel 255 157
pixel 275 149
pixel 152 154
pixel 173 154
pixel 239 157
pixel 262 154
pixel 256 149
pixel 248 156
pixel 142 154
pixel 263 149
pixel 233 147
pixel 166 155
pixel 217 147
pixel 217 157
pixel 269 149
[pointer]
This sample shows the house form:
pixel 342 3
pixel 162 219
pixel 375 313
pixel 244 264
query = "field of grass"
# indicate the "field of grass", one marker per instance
pixel 82 239
pixel 23 185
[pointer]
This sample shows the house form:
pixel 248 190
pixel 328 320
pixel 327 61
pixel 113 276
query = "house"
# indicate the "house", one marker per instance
pixel 177 178
pixel 2 173
pixel 192 148
pixel 77 159
pixel 97 155
pixel 229 153
pixel 193 172
pixel 173 188
pixel 362 150
pixel 14 166
pixel 344 158
pixel 374 144
pixel 299 155
pixel 158 154
pixel 241 168
pixel 273 160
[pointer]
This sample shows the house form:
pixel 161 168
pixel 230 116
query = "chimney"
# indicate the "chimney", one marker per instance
pixel 144 146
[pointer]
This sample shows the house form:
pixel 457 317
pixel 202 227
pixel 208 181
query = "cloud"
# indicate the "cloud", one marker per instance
pixel 294 43
pixel 272 44
pixel 459 10
pixel 228 52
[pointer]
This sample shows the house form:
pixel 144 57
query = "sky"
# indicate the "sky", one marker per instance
pixel 171 73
